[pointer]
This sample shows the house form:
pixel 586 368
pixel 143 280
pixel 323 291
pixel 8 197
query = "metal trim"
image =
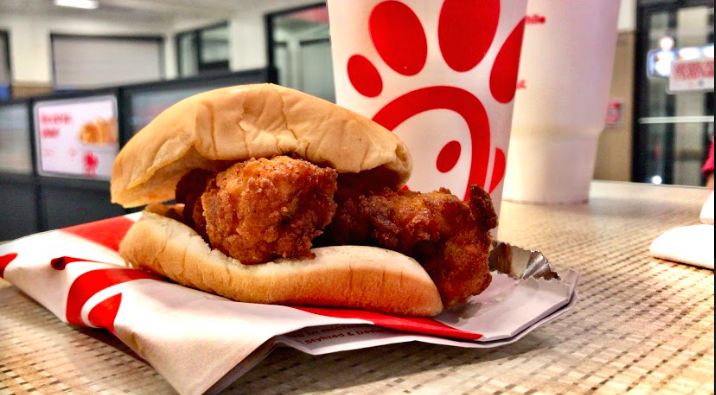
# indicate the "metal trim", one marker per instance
pixel 675 120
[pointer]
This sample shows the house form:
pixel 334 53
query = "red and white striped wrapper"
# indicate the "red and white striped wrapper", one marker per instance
pixel 201 342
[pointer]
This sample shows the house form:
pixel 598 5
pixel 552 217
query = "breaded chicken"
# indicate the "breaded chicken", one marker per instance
pixel 188 192
pixel 260 210
pixel 449 237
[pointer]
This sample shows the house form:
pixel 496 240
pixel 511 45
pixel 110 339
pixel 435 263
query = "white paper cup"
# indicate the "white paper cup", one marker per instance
pixel 441 74
pixel 561 106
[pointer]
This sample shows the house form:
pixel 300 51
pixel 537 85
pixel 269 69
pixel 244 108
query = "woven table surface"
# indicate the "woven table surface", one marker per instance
pixel 642 326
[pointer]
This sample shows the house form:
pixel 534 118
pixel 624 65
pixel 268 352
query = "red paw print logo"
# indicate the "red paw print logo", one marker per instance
pixel 91 162
pixel 466 50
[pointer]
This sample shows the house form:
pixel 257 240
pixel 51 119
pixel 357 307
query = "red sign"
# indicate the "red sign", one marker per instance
pixel 692 75
pixel 615 113
pixel 77 137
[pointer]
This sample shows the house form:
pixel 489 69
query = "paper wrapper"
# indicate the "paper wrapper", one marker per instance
pixel 707 213
pixel 200 342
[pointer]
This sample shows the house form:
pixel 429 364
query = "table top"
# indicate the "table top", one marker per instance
pixel 642 325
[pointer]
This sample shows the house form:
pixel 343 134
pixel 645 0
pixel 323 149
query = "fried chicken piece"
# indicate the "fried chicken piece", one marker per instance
pixel 188 192
pixel 368 182
pixel 449 237
pixel 260 210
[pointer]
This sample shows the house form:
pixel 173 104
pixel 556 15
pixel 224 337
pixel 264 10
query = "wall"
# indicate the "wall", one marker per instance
pixel 614 161
pixel 627 16
pixel 31 54
pixel 30 36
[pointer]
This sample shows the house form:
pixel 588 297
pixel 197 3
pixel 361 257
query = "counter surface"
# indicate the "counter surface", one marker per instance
pixel 641 326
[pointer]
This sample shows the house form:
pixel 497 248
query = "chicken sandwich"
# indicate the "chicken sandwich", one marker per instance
pixel 284 198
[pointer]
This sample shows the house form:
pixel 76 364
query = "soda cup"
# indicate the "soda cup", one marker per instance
pixel 562 100
pixel 441 74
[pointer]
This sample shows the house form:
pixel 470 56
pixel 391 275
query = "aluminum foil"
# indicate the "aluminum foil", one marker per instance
pixel 520 263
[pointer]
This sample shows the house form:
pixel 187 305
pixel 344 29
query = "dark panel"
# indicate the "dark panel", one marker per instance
pixel 679 3
pixel 18 210
pixel 141 103
pixel 63 207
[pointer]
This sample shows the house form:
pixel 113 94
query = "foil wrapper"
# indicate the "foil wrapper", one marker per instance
pixel 520 263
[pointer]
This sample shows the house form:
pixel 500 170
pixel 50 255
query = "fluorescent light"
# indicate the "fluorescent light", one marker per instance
pixel 689 53
pixel 662 63
pixel 84 4
pixel 709 51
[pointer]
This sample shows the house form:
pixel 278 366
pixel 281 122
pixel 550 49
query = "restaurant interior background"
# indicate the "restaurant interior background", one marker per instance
pixel 146 55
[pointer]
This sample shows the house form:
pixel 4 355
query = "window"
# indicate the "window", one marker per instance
pixel 300 49
pixel 203 50
pixel 86 62
pixel 145 102
pixel 15 155
pixel 5 76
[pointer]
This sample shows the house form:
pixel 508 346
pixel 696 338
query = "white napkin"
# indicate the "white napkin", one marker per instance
pixel 200 342
pixel 692 245
pixel 707 214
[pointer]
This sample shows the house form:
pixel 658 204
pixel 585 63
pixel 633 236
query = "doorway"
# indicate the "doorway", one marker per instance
pixel 299 48
pixel 674 125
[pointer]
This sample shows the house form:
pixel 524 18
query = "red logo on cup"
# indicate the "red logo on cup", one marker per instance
pixel 536 19
pixel 466 33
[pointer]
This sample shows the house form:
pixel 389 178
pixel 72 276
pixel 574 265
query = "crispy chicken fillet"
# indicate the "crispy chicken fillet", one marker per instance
pixel 449 237
pixel 260 210
pixel 189 191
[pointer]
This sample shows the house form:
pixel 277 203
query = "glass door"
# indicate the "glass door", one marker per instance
pixel 675 125
pixel 5 75
pixel 299 47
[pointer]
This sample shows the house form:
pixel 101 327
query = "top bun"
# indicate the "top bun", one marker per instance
pixel 215 129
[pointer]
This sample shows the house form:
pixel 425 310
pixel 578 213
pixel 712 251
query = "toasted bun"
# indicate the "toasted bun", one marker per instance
pixel 213 129
pixel 346 276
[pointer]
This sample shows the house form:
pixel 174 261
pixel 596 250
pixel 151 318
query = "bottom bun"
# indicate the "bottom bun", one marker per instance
pixel 353 277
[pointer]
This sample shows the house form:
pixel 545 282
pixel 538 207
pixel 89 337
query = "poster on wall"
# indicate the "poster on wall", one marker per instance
pixel 77 137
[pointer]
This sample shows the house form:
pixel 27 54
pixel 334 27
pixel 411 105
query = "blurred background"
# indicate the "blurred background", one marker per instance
pixel 130 59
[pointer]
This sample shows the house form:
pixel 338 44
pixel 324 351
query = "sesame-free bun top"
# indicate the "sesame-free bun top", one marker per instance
pixel 215 129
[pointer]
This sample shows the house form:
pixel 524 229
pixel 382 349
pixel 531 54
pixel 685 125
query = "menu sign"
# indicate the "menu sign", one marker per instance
pixel 77 137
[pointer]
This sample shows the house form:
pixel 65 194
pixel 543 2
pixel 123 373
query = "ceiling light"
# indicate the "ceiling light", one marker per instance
pixel 84 4
pixel 666 43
